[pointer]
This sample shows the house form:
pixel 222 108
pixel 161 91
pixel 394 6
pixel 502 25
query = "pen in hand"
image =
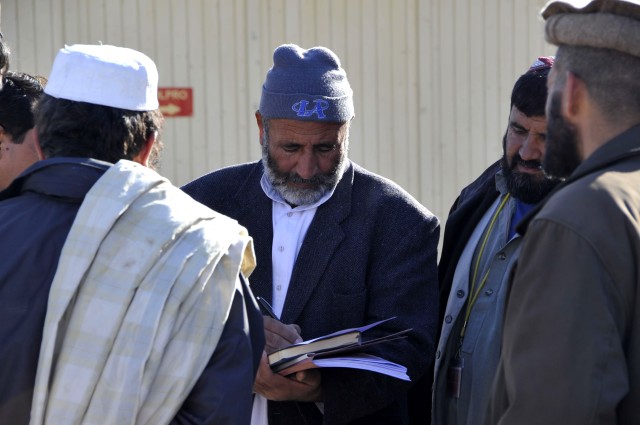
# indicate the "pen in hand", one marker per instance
pixel 267 308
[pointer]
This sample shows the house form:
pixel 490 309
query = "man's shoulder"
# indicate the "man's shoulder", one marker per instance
pixel 482 183
pixel 607 182
pixel 606 191
pixel 364 179
pixel 151 195
pixel 222 183
pixel 371 188
pixel 58 178
pixel 231 172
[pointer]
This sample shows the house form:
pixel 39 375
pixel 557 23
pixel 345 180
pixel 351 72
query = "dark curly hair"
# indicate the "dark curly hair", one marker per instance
pixel 18 96
pixel 529 93
pixel 80 129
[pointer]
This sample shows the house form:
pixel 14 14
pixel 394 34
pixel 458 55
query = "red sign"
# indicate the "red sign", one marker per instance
pixel 176 101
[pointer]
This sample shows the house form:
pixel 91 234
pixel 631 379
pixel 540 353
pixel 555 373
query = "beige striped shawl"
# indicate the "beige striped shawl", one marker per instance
pixel 138 303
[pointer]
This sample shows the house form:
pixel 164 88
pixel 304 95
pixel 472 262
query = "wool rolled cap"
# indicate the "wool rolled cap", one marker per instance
pixel 118 77
pixel 307 85
pixel 606 24
pixel 542 63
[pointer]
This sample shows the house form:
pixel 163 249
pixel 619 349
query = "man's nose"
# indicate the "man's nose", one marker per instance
pixel 532 149
pixel 307 165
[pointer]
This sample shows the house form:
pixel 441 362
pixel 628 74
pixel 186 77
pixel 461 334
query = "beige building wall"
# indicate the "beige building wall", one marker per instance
pixel 432 78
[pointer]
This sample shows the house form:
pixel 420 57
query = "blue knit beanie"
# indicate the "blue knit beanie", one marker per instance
pixel 307 85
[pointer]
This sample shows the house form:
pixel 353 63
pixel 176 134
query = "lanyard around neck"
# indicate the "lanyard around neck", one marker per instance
pixel 473 291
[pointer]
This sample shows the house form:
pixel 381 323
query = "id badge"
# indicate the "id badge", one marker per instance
pixel 454 377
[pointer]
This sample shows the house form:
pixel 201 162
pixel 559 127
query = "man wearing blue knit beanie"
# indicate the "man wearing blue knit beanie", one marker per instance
pixel 337 247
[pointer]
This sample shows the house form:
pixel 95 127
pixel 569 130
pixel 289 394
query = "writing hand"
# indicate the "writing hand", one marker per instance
pixel 278 335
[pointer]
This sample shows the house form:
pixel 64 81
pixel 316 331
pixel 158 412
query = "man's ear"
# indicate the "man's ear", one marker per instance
pixel 259 121
pixel 4 135
pixel 574 93
pixel 143 156
pixel 36 143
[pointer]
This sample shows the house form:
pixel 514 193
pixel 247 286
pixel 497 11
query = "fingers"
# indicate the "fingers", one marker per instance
pixel 263 383
pixel 308 376
pixel 279 335
pixel 311 389
pixel 302 386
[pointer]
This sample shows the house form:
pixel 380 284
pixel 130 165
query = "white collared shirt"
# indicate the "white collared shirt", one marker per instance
pixel 290 225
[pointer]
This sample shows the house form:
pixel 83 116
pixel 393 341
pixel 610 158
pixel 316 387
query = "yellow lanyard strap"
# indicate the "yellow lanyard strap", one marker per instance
pixel 473 295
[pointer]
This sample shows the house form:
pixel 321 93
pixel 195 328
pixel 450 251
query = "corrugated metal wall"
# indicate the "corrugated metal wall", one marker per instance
pixel 432 78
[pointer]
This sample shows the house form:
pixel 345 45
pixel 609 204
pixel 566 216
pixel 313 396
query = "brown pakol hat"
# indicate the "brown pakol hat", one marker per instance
pixel 606 24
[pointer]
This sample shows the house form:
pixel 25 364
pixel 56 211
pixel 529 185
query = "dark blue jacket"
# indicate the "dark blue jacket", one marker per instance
pixel 36 214
pixel 370 253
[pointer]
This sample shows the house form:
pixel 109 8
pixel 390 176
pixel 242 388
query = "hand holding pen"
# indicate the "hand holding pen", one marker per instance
pixel 277 334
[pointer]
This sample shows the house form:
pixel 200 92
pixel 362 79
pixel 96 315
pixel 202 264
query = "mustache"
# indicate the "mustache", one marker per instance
pixel 532 163
pixel 295 178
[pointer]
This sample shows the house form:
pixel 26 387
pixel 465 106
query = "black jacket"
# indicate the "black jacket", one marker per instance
pixel 468 209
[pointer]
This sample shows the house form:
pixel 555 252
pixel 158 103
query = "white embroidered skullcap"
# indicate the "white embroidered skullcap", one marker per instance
pixel 118 77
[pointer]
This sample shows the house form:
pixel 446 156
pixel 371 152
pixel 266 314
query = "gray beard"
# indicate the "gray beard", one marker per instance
pixel 323 183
